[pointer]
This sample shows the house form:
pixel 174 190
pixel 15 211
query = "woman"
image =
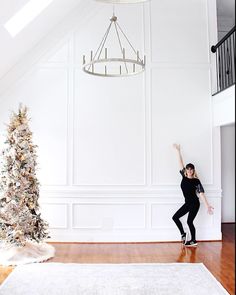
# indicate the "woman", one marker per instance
pixel 190 185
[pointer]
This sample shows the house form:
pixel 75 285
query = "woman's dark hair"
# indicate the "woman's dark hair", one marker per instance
pixel 190 166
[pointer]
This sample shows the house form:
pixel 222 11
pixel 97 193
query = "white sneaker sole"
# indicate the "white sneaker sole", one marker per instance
pixel 193 245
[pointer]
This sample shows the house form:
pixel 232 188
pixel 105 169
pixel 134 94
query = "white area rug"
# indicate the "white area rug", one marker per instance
pixel 112 279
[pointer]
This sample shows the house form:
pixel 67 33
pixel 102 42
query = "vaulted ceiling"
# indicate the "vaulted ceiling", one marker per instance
pixel 13 49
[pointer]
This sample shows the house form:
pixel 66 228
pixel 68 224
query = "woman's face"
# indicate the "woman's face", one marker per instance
pixel 190 172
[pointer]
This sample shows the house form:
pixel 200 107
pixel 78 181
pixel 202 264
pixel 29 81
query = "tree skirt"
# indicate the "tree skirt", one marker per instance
pixel 112 279
pixel 30 253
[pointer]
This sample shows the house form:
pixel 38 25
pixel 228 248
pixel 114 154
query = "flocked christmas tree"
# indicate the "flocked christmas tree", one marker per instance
pixel 20 220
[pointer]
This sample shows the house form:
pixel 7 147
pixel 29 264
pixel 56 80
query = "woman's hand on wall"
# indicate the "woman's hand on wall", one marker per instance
pixel 176 146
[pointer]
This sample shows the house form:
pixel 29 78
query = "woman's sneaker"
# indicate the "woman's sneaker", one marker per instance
pixel 191 244
pixel 184 238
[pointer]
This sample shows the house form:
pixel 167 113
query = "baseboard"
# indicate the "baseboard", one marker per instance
pixel 122 237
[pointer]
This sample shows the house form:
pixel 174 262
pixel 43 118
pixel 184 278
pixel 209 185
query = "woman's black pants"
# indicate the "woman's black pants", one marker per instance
pixel 192 208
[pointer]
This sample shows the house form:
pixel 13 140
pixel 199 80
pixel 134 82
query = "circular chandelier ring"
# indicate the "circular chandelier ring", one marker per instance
pixel 89 65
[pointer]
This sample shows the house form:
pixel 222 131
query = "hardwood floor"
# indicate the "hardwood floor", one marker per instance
pixel 218 257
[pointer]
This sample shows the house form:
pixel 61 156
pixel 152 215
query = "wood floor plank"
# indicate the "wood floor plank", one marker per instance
pixel 218 257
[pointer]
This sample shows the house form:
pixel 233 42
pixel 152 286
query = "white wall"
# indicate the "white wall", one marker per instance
pixel 223 106
pixel 228 172
pixel 107 166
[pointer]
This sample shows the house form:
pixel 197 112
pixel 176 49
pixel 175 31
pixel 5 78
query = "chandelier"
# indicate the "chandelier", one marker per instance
pixel 127 61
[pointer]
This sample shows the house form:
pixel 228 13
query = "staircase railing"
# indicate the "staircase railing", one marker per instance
pixel 225 61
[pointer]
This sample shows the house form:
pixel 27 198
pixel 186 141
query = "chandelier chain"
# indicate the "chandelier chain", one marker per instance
pixel 121 47
pixel 108 30
pixel 102 44
pixel 136 53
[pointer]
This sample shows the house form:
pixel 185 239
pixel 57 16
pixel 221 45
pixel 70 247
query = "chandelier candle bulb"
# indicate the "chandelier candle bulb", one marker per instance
pixel 134 68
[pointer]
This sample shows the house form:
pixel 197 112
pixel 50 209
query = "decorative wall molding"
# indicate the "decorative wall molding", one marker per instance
pixel 170 224
pixel 207 14
pixel 158 193
pixel 107 221
pixel 104 229
pixel 75 181
pixel 166 235
pixel 69 201
pixel 53 218
pixel 213 139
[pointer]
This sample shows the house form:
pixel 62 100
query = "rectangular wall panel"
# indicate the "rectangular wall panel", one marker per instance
pixel 109 131
pixel 107 216
pixel 55 214
pixel 44 91
pixel 179 31
pixel 109 113
pixel 50 120
pixel 181 113
pixel 161 216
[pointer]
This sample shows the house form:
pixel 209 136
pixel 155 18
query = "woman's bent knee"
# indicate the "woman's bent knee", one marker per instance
pixel 174 217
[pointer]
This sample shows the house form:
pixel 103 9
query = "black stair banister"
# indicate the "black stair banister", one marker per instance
pixel 225 61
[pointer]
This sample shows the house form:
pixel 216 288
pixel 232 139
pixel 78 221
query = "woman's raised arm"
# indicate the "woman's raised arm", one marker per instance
pixel 181 162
